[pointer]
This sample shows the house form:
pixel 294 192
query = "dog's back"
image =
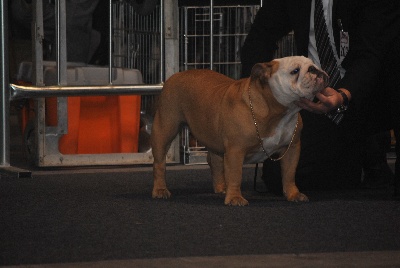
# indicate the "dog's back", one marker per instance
pixel 197 83
pixel 182 92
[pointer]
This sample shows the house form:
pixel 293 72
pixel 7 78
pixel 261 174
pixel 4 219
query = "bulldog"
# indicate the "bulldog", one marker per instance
pixel 238 121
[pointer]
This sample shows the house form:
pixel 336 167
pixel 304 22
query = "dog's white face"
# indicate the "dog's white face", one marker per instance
pixel 296 77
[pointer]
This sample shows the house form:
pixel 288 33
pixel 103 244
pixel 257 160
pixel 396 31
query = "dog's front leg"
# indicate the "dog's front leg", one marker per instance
pixel 233 165
pixel 288 170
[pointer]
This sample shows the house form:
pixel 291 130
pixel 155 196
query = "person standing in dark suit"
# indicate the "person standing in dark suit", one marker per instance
pixel 364 35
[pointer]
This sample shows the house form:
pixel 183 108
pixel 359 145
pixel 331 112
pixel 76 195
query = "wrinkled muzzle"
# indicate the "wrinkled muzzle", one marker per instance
pixel 321 77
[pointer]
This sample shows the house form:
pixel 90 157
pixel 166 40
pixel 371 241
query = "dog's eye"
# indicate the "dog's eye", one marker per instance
pixel 295 71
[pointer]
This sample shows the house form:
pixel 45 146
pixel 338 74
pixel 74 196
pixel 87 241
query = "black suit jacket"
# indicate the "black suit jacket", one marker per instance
pixel 372 26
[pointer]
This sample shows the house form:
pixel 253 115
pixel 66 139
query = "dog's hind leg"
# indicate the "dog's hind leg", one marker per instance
pixel 216 163
pixel 162 134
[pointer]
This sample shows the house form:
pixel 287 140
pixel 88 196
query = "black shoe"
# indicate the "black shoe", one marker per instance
pixel 377 177
pixel 397 186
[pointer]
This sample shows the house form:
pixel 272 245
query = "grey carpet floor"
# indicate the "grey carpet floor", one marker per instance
pixel 61 217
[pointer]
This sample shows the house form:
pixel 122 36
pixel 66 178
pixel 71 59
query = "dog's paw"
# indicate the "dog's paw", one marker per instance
pixel 297 197
pixel 236 201
pixel 161 193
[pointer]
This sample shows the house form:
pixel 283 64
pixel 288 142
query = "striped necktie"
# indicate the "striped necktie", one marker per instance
pixel 325 54
pixel 324 47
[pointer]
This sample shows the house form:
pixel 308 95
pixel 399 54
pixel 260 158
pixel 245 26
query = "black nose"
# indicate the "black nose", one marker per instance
pixel 313 70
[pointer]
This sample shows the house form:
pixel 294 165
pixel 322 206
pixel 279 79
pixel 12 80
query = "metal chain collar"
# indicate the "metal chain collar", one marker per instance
pixel 259 137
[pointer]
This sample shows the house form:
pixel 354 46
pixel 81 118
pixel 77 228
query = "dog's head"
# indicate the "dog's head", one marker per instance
pixel 291 78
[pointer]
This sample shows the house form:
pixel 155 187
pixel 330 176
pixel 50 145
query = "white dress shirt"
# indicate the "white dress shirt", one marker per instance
pixel 312 45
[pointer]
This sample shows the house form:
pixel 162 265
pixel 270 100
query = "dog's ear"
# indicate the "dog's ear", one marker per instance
pixel 263 71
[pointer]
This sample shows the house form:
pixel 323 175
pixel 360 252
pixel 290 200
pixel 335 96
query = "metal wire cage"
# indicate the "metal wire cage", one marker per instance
pixel 136 41
pixel 230 27
pixel 137 44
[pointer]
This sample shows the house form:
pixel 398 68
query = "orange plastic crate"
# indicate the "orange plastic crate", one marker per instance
pixel 96 125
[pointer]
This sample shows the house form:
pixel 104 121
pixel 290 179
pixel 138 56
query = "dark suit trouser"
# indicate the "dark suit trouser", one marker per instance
pixel 330 156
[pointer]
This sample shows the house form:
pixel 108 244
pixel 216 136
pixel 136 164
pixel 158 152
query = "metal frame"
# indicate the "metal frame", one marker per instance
pixel 38 91
pixel 4 101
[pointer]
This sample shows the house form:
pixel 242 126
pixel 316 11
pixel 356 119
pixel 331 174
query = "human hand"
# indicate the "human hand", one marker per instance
pixel 328 100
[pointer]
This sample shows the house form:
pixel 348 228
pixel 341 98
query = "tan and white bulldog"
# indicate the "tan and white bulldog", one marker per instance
pixel 239 121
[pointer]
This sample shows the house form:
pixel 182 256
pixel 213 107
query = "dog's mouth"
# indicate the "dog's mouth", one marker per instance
pixel 319 78
pixel 321 82
pixel 323 78
pixel 313 84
